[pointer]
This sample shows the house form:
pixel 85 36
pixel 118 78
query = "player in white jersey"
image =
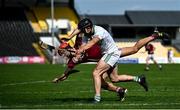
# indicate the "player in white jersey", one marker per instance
pixel 170 56
pixel 107 44
pixel 111 54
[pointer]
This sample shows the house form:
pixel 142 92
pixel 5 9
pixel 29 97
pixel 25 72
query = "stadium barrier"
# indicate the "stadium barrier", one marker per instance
pixel 22 60
pixel 128 60
pixel 162 60
pixel 41 60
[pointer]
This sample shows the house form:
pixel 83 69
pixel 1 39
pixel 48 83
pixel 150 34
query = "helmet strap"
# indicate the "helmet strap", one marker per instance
pixel 89 34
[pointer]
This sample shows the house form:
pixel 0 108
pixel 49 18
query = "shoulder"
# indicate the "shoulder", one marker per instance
pixel 98 28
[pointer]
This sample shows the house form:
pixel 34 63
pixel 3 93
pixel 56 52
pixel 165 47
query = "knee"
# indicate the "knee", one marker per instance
pixel 114 80
pixel 135 49
pixel 95 74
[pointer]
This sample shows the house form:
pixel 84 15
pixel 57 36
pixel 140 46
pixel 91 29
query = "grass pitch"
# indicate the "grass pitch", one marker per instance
pixel 29 86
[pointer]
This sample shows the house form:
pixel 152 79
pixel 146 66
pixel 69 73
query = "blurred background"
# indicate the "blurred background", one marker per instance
pixel 23 23
pixel 26 70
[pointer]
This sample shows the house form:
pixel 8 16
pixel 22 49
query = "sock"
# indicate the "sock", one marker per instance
pixel 117 89
pixel 159 66
pixel 97 98
pixel 147 67
pixel 75 60
pixel 136 79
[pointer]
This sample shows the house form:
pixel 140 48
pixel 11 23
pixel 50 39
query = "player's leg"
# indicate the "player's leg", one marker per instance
pixel 101 68
pixel 113 73
pixel 63 77
pixel 155 62
pixel 104 64
pixel 171 59
pixel 125 51
pixel 107 85
pixel 121 92
pixel 115 78
pixel 147 63
pixel 66 73
pixel 132 50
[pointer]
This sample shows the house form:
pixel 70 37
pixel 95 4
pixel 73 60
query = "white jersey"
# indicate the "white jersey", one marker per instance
pixel 109 49
pixel 106 41
pixel 171 54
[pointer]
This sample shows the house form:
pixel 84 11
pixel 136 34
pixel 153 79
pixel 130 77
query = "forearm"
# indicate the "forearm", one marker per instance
pixel 90 43
pixel 87 46
pixel 65 75
pixel 75 32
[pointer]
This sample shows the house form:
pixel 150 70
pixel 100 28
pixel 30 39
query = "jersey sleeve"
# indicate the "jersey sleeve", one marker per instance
pixel 71 64
pixel 99 34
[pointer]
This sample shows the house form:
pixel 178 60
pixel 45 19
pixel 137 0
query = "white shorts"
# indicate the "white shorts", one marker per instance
pixel 151 56
pixel 111 58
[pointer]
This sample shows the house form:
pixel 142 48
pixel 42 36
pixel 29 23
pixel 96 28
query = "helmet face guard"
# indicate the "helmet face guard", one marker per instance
pixel 84 23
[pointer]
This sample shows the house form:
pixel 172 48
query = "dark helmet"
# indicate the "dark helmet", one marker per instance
pixel 84 23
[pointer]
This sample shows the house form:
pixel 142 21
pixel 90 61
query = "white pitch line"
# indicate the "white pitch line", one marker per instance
pixel 60 92
pixel 46 92
pixel 23 83
pixel 35 82
pixel 91 104
pixel 43 81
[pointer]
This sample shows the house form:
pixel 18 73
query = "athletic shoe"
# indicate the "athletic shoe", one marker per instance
pixel 161 35
pixel 160 67
pixel 157 34
pixel 147 68
pixel 97 99
pixel 143 82
pixel 122 93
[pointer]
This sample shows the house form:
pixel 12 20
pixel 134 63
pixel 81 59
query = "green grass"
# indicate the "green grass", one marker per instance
pixel 29 86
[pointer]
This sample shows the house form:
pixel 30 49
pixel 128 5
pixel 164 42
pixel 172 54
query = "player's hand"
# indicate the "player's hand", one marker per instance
pixel 64 45
pixel 72 51
pixel 80 51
